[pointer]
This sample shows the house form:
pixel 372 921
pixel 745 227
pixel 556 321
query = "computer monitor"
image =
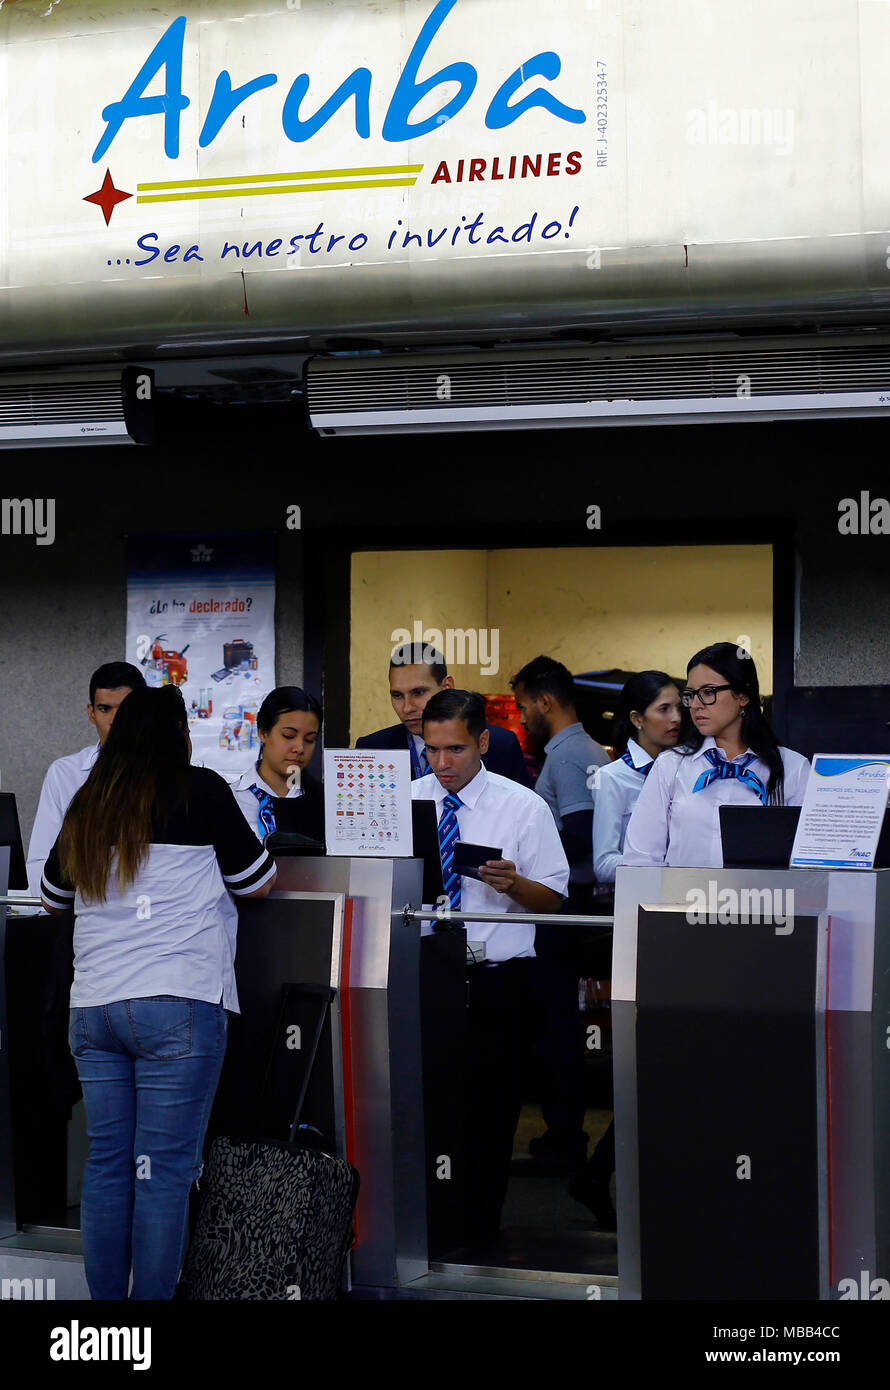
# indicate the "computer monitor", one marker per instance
pixel 758 837
pixel 303 816
pixel 762 837
pixel 11 835
pixel 426 847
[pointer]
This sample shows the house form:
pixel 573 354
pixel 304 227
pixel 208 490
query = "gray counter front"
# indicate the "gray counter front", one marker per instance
pixel 751 1024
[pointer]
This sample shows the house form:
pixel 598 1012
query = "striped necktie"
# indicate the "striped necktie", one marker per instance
pixel 419 763
pixel 721 769
pixel 266 818
pixel 448 833
pixel 643 771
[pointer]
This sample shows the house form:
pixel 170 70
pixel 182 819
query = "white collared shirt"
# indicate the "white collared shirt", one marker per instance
pixel 63 778
pixel 499 812
pixel 616 790
pixel 249 804
pixel 671 824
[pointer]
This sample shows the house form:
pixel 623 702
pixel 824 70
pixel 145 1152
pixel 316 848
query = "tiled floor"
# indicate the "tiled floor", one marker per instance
pixel 542 1227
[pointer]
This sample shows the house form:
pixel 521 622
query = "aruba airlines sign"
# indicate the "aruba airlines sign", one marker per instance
pixel 505 106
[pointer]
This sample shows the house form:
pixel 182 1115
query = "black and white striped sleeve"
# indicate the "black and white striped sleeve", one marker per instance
pixel 244 863
pixel 55 889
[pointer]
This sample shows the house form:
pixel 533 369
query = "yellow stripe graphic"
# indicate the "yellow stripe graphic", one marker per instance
pixel 269 190
pixel 279 178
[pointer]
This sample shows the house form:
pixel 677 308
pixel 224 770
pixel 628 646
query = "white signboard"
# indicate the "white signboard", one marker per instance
pixel 842 813
pixel 367 802
pixel 273 163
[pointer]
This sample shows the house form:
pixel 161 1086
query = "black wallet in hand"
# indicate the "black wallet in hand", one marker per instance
pixel 467 858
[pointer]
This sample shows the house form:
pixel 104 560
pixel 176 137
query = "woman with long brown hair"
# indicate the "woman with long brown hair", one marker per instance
pixel 147 852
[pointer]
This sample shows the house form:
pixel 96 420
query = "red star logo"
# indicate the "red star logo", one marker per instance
pixel 107 197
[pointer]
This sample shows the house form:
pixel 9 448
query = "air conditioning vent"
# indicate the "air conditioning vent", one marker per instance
pixel 488 390
pixel 74 409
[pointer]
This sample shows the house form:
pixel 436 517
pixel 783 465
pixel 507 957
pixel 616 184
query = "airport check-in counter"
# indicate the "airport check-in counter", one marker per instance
pixel 339 922
pixel 752 1082
pixel 336 925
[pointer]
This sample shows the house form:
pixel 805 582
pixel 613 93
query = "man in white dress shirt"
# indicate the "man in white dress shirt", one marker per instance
pixel 532 875
pixel 109 686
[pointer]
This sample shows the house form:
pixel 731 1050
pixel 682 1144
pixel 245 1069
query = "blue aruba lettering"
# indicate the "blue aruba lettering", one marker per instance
pixel 358 85
pixel 167 56
pixel 224 100
pixel 408 92
pixel 501 113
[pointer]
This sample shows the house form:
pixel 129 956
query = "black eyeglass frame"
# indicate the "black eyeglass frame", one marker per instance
pixel 687 697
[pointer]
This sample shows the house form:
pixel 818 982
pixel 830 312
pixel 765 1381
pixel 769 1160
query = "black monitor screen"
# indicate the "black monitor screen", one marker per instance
pixel 11 835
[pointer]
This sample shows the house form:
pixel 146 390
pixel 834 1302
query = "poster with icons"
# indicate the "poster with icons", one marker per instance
pixel 367 802
pixel 201 616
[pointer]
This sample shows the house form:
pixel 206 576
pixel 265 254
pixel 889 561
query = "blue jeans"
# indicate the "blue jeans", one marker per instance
pixel 149 1069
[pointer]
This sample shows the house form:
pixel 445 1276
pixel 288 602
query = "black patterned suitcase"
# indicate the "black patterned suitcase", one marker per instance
pixel 274 1219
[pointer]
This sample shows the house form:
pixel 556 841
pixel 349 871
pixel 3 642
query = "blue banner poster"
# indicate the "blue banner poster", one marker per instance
pixel 201 615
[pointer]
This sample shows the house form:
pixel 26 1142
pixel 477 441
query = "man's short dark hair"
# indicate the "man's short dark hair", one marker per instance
pixel 544 676
pixel 113 675
pixel 420 654
pixel 457 704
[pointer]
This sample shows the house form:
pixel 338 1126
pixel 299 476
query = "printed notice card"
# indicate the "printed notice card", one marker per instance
pixel 843 810
pixel 367 801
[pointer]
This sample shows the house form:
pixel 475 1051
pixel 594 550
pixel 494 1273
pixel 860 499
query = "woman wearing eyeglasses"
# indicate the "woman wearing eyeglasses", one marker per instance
pixel 732 759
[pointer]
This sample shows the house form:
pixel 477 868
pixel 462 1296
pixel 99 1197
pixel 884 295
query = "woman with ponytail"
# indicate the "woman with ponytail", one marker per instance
pixel 649 720
pixel 732 758
pixel 148 851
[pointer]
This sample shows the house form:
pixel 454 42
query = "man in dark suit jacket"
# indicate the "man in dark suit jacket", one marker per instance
pixel 416 673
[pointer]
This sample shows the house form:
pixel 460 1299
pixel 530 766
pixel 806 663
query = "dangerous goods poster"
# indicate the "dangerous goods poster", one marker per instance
pixel 201 616
pixel 367 804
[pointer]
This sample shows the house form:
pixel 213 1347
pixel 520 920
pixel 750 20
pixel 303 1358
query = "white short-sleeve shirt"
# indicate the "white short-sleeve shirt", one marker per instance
pixel 496 811
pixel 617 789
pixel 63 778
pixel 671 824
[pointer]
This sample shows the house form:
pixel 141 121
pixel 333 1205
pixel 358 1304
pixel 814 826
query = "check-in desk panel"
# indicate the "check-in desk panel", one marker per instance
pixel 396 991
pixel 750 1028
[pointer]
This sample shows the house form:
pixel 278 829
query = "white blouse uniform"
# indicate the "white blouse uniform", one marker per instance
pixel 673 825
pixel 617 789
pixel 249 802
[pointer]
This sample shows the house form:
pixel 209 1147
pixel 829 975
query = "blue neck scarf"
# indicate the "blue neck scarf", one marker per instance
pixel 266 818
pixel 720 769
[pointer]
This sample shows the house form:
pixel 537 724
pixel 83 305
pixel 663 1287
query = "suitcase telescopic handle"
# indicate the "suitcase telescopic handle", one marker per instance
pixel 325 994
